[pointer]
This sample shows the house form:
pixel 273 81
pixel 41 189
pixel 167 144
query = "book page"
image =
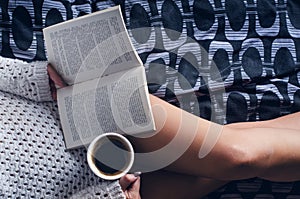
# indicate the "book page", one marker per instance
pixel 115 103
pixel 90 46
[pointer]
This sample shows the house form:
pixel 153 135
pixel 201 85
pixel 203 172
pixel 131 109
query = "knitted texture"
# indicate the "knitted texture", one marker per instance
pixel 33 159
pixel 100 192
pixel 26 79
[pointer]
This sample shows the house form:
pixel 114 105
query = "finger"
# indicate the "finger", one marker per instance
pixel 135 186
pixel 55 77
pixel 54 96
pixel 53 90
pixel 133 192
pixel 54 93
pixel 127 180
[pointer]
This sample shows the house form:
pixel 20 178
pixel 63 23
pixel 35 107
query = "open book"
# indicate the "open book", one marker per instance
pixel 107 89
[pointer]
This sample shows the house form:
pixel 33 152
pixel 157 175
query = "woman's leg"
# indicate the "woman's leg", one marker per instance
pixel 291 121
pixel 238 153
pixel 164 184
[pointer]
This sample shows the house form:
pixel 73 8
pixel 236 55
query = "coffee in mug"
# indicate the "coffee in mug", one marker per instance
pixel 110 156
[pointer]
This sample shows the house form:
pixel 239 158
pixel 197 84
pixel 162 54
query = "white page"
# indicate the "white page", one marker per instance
pixel 117 103
pixel 90 46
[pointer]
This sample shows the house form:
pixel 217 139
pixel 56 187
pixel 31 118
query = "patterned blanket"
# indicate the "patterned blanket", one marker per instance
pixel 223 60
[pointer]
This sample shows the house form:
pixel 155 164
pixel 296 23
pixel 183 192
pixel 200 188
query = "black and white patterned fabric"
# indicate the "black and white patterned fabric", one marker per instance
pixel 254 45
pixel 239 57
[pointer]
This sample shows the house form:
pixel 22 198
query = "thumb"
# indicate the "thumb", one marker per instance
pixel 133 191
pixel 135 186
pixel 55 77
pixel 127 180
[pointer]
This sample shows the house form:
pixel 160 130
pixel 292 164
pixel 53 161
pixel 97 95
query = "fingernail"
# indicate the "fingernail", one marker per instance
pixel 137 173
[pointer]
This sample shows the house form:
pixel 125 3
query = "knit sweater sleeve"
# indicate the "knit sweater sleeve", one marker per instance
pixel 105 190
pixel 29 80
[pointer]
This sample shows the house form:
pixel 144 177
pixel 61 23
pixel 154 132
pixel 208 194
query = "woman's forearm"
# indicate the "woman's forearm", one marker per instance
pixel 29 80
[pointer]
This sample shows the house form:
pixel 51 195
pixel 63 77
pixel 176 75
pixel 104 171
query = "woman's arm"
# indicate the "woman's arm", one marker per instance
pixel 108 190
pixel 128 187
pixel 29 80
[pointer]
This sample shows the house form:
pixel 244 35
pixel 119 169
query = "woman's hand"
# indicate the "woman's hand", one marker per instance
pixel 131 186
pixel 54 80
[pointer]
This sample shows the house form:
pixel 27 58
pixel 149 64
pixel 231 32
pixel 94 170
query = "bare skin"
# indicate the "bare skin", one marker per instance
pixel 165 184
pixel 242 150
pixel 130 185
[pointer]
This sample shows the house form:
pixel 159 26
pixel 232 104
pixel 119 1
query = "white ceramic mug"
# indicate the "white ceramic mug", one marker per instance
pixel 110 156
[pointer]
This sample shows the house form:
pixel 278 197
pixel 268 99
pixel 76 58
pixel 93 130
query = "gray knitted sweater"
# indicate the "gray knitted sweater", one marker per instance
pixel 33 159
